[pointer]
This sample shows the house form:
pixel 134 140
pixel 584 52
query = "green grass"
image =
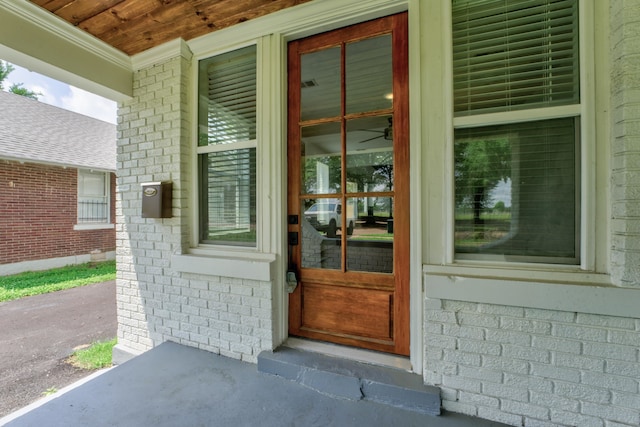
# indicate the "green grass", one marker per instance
pixel 381 236
pixel 233 237
pixel 50 391
pixel 41 282
pixel 96 356
pixel 496 216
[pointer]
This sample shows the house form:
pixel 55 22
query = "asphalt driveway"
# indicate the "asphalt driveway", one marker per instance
pixel 38 333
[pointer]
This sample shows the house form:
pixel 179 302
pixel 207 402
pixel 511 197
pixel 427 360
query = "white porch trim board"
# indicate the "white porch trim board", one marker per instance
pixel 69 54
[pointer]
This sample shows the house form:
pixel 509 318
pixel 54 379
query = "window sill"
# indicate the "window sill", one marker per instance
pixel 552 273
pixel 562 290
pixel 240 265
pixel 93 226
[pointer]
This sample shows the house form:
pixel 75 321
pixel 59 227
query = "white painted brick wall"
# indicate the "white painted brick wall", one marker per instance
pixel 625 189
pixel 531 367
pixel 155 303
pixel 222 315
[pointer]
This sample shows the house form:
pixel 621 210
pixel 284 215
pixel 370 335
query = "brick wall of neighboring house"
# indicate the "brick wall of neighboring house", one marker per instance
pixel 38 211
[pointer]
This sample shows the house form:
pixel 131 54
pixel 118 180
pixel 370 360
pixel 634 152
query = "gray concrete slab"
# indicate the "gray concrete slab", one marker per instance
pixel 350 379
pixel 174 385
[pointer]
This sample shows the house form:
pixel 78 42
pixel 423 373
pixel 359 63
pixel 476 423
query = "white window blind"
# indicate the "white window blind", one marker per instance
pixel 230 97
pixel 511 55
pixel 227 148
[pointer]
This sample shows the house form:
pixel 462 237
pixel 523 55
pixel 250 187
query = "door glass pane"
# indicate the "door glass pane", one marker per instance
pixel 320 84
pixel 370 154
pixel 321 237
pixel 369 75
pixel 321 159
pixel 370 234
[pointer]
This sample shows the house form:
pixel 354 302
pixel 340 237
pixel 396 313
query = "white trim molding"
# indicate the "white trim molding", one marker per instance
pixel 61 28
pixel 41 41
pixel 601 300
pixel 161 54
pixel 297 22
pixel 257 268
pixel 93 226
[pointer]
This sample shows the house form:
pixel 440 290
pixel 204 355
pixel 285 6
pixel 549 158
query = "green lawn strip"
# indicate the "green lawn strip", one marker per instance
pixel 96 356
pixel 381 236
pixel 40 282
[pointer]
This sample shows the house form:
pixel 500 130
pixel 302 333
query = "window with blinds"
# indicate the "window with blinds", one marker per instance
pixel 516 192
pixel 227 148
pixel 517 184
pixel 93 197
pixel 510 55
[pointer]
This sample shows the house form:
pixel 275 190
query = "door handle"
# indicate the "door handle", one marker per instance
pixel 292 281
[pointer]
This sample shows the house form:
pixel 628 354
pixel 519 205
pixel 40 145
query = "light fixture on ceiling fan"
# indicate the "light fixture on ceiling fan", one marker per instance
pixel 387 133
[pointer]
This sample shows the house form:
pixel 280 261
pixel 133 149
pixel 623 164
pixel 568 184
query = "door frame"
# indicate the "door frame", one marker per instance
pixel 402 294
pixel 314 18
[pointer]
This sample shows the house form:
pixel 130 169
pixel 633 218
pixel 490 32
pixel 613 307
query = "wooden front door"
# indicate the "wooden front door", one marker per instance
pixel 348 199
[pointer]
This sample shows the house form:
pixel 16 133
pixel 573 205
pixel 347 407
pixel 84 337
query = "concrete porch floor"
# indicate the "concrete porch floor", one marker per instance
pixel 175 385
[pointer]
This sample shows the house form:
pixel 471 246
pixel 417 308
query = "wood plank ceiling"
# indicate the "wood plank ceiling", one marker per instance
pixel 134 26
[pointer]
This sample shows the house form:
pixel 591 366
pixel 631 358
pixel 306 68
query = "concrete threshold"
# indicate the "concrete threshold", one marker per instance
pixel 353 380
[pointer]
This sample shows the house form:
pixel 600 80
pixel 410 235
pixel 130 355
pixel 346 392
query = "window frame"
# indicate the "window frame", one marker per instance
pixel 238 146
pixel 582 110
pixel 590 208
pixel 223 248
pixel 469 120
pixel 106 223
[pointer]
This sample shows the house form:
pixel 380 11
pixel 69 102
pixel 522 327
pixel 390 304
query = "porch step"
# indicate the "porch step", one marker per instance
pixel 348 379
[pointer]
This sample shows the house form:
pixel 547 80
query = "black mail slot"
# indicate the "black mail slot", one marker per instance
pixel 156 199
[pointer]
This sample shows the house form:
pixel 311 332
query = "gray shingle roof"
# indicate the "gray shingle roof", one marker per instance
pixel 36 132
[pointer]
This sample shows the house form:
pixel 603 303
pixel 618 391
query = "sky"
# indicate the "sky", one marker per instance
pixel 64 96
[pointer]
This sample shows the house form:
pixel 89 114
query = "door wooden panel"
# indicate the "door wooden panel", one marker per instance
pixel 348 168
pixel 358 312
